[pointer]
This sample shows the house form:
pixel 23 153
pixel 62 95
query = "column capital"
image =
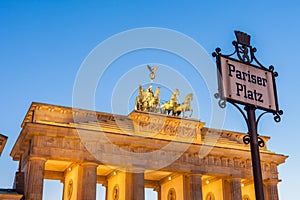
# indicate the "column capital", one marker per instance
pixel 105 184
pixel 232 178
pixel 134 170
pixel 236 179
pixel 271 181
pixel 37 158
pixel 197 175
pixel 89 164
pixel 197 172
pixel 194 174
pixel 157 189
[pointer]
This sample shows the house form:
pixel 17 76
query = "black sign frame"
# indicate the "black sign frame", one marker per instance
pixel 231 100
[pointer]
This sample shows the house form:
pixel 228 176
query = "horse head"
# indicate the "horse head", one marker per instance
pixel 157 92
pixel 188 98
pixel 176 92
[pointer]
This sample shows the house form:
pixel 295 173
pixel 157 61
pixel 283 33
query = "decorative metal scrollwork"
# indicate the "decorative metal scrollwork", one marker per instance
pixel 246 139
pixel 277 116
pixel 271 68
pixel 244 51
pixel 222 102
pixel 260 141
pixel 217 52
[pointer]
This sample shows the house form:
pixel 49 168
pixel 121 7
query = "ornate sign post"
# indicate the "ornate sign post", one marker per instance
pixel 242 82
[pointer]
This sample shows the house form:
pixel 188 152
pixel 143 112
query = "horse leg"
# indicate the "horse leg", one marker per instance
pixel 173 112
pixel 183 113
pixel 138 106
pixel 191 112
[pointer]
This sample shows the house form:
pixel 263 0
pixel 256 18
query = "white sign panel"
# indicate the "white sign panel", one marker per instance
pixel 247 84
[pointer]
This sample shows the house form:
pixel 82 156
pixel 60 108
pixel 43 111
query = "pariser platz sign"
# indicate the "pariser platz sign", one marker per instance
pixel 247 84
pixel 241 82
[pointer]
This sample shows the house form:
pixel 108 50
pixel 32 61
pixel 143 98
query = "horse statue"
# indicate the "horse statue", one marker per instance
pixel 170 105
pixel 155 101
pixel 185 106
pixel 146 101
pixel 140 101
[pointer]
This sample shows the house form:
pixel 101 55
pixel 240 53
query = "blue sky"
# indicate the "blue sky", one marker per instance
pixel 44 43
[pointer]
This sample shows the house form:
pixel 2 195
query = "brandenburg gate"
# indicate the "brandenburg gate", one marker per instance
pixel 155 146
pixel 126 154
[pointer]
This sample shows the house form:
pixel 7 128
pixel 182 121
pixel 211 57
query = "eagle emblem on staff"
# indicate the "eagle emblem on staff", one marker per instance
pixel 152 72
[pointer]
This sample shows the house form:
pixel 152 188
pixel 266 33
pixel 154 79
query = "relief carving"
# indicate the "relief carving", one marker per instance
pixel 205 160
pixel 273 168
pixel 70 144
pixel 50 142
pixel 224 162
pixel 236 163
pixel 105 117
pixel 171 194
pixel 266 167
pixel 91 147
pixel 248 164
pixel 145 124
pixel 243 164
pixel 218 161
pixel 211 160
pixel 230 162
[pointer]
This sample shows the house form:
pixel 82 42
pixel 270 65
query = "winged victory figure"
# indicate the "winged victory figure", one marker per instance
pixel 152 72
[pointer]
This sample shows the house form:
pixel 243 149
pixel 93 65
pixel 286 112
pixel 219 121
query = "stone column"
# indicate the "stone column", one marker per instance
pixel 192 186
pixel 271 190
pixel 87 181
pixel 35 178
pixel 196 186
pixel 134 184
pixel 19 183
pixel 106 192
pixel 232 189
pixel 158 190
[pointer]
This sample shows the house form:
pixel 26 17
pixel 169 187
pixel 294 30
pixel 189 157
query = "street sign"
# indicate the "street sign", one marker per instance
pixel 246 84
pixel 241 82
